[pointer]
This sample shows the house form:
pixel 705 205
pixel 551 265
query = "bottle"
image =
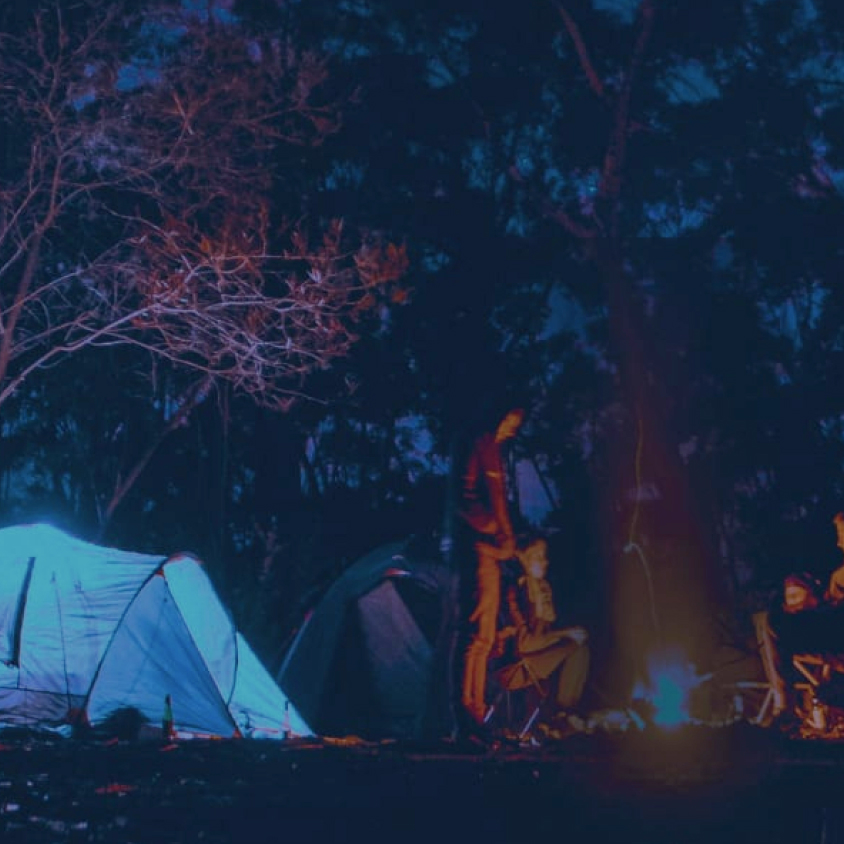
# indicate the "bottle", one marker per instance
pixel 286 725
pixel 818 715
pixel 167 719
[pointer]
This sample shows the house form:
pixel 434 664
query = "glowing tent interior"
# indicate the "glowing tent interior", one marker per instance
pixel 90 631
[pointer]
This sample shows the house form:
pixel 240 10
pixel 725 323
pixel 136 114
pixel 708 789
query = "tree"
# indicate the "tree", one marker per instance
pixel 685 172
pixel 143 205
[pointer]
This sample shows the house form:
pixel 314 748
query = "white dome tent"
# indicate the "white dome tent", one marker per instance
pixel 89 631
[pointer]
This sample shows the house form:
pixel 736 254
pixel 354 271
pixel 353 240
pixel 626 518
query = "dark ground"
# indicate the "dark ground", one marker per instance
pixel 696 785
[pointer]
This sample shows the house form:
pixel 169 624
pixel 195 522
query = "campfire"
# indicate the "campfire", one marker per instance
pixel 664 694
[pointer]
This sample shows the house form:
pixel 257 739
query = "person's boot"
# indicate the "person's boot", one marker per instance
pixel 472 727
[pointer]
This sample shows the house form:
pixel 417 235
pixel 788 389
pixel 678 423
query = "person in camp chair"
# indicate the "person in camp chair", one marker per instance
pixel 790 621
pixel 811 617
pixel 834 594
pixel 808 621
pixel 542 649
pixel 802 623
pixel 486 510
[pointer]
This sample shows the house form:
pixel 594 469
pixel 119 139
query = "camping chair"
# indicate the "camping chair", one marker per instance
pixel 516 677
pixel 765 698
pixel 814 670
pixel 774 699
pixel 818 671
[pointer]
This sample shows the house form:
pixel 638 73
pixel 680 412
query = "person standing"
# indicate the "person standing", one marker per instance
pixel 486 510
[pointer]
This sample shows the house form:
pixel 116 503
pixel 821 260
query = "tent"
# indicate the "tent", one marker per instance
pixel 91 631
pixel 372 658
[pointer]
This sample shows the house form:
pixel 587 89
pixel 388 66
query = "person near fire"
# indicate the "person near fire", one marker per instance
pixel 809 620
pixel 834 594
pixel 542 648
pixel 798 624
pixel 486 511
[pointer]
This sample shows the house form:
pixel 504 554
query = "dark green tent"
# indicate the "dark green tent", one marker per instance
pixel 373 657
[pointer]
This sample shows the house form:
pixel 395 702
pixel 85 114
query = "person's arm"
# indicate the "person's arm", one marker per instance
pixel 494 474
pixel 835 589
pixel 470 477
pixel 576 633
pixel 521 624
pixel 517 617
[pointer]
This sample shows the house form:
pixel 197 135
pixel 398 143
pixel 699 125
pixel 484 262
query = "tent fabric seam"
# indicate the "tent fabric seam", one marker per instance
pixel 20 612
pixel 159 572
pixel 199 650
pixel 117 626
pixel 61 633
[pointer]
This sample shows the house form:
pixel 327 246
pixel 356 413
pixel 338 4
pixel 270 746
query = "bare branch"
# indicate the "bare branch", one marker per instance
pixel 144 214
pixel 586 64
pixel 615 156
pixel 571 225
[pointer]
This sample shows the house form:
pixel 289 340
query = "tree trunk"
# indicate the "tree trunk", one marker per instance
pixel 191 399
pixel 662 543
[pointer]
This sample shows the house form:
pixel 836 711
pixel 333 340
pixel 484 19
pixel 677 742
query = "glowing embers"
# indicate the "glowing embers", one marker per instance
pixel 664 697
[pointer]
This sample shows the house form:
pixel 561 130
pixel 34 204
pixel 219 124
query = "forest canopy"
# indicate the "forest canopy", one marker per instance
pixel 263 266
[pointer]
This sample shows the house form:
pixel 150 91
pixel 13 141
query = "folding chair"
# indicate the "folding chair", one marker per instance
pixel 818 671
pixel 514 677
pixel 818 668
pixel 741 688
pixel 814 668
pixel 774 699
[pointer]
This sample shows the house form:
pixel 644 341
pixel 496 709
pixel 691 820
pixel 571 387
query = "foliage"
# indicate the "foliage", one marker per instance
pixel 140 208
pixel 175 257
pixel 629 210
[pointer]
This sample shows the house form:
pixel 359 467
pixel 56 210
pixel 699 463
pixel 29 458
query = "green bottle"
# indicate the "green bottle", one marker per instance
pixel 167 718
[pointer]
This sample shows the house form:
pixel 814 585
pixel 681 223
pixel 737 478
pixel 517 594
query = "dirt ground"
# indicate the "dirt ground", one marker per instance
pixel 693 785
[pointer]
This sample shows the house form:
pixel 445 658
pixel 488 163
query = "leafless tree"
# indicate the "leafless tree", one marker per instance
pixel 139 186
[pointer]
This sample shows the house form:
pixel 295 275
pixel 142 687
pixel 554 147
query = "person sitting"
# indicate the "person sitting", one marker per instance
pixel 790 621
pixel 805 625
pixel 834 594
pixel 808 623
pixel 542 649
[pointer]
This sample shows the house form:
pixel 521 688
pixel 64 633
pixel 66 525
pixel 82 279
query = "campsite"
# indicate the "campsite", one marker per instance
pixel 324 754
pixel 421 421
pixel 726 786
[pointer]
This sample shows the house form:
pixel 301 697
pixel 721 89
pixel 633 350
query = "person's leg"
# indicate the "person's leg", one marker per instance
pixel 485 616
pixel 573 678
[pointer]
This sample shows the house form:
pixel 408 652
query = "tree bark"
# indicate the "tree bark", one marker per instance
pixel 658 550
